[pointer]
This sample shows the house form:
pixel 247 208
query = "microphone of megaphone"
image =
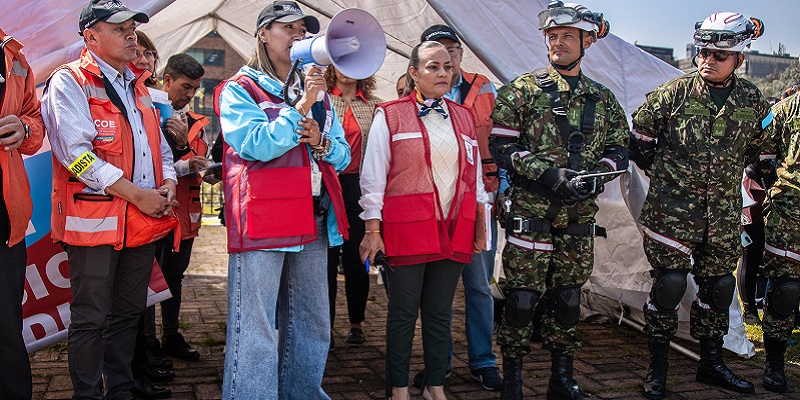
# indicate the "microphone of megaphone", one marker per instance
pixel 354 43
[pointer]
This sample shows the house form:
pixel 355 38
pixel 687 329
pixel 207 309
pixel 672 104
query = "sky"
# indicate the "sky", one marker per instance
pixel 670 23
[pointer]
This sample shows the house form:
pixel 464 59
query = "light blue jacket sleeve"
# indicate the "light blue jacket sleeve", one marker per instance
pixel 339 156
pixel 249 130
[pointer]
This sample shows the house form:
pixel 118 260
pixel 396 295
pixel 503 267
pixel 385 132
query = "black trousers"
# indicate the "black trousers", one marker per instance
pixel 173 266
pixel 752 255
pixel 109 294
pixel 15 367
pixel 356 277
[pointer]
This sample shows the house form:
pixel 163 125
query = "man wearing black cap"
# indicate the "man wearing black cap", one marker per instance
pixel 113 161
pixel 478 93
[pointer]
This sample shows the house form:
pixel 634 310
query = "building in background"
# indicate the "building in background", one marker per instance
pixel 755 65
pixel 665 54
pixel 220 62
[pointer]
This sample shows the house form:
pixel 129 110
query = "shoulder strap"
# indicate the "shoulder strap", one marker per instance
pixel 114 97
pixel 465 87
pixel 573 139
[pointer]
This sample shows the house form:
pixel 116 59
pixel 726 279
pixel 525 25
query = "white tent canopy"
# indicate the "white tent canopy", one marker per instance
pixel 500 40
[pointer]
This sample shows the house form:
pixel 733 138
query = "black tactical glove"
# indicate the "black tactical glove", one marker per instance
pixel 557 180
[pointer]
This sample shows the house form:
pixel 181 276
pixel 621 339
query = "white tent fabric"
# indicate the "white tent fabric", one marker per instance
pixel 500 40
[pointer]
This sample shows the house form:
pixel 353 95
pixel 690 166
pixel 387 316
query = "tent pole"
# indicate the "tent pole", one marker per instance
pixel 672 344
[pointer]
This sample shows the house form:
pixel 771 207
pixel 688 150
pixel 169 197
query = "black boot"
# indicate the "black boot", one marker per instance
pixel 774 378
pixel 713 371
pixel 655 384
pixel 512 378
pixel 562 386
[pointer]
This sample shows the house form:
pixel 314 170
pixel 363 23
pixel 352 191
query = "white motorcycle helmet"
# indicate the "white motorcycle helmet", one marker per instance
pixel 727 31
pixel 575 15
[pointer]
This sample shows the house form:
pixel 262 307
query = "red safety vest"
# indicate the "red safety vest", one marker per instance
pixel 480 99
pixel 269 205
pixel 82 219
pixel 190 210
pixel 414 229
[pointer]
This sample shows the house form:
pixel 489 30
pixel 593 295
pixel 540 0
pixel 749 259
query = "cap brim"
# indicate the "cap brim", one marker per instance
pixel 312 24
pixel 123 16
pixel 437 37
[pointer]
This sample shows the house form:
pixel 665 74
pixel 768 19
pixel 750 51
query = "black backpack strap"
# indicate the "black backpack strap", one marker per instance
pixel 572 138
pixel 465 87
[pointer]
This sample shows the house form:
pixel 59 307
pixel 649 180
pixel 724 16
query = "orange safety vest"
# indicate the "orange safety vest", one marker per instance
pixel 20 100
pixel 414 229
pixel 190 210
pixel 82 219
pixel 480 99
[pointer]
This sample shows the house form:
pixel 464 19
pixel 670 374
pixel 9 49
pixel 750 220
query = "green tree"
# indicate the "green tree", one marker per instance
pixel 773 85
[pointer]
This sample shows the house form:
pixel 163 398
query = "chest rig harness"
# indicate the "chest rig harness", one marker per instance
pixel 574 142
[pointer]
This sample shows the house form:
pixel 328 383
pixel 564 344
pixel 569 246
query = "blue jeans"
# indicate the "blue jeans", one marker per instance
pixel 479 308
pixel 278 323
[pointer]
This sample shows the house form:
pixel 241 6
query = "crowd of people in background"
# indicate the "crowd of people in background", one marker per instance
pixel 321 177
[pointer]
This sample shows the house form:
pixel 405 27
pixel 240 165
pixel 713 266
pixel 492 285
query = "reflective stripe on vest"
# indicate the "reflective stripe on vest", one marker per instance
pixel 82 219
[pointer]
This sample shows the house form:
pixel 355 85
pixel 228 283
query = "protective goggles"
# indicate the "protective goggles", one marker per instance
pixel 719 55
pixel 566 16
pixel 719 39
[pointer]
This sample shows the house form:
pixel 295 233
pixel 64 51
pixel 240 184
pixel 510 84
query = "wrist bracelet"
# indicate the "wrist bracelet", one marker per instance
pixel 373 231
pixel 27 130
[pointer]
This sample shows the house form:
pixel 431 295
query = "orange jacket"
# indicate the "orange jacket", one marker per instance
pixel 190 210
pixel 82 219
pixel 480 99
pixel 20 100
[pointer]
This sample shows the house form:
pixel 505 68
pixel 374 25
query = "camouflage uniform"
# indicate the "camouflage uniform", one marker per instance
pixel 783 219
pixel 694 154
pixel 525 126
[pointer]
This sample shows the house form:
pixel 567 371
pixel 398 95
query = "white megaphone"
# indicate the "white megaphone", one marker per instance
pixel 354 43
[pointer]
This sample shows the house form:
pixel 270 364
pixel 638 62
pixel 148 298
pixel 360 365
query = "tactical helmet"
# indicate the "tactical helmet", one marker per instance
pixel 575 15
pixel 727 31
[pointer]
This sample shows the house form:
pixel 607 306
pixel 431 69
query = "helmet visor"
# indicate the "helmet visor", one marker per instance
pixel 720 39
pixel 558 16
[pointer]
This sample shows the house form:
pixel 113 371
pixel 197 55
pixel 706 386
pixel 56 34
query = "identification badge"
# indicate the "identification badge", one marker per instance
pixel 316 180
pixel 468 150
pixel 744 114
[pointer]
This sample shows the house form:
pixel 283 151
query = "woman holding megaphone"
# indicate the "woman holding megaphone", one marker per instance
pixel 423 201
pixel 283 208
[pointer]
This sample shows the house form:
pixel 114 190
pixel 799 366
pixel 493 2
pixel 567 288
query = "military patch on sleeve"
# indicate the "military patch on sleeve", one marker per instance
pixel 79 166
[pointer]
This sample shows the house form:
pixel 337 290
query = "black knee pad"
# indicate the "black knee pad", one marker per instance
pixel 566 304
pixel 781 298
pixel 716 291
pixel 668 289
pixel 520 307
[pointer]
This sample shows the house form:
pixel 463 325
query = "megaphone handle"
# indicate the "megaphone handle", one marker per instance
pixel 307 69
pixel 287 84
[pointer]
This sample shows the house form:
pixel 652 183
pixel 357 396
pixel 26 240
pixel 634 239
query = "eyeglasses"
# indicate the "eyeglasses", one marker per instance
pixel 453 50
pixel 719 55
pixel 147 54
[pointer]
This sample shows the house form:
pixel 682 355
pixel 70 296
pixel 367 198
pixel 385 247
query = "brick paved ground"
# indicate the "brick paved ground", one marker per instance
pixel 610 366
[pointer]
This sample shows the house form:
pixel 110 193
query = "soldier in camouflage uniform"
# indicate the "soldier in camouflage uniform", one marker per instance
pixel 782 246
pixel 691 137
pixel 550 222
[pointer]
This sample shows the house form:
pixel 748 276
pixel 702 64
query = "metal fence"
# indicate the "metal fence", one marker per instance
pixel 211 198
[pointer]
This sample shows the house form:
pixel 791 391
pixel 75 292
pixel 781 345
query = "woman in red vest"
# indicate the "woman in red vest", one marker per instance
pixel 423 199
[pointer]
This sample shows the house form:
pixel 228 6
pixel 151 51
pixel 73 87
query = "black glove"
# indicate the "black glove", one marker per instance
pixel 557 180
